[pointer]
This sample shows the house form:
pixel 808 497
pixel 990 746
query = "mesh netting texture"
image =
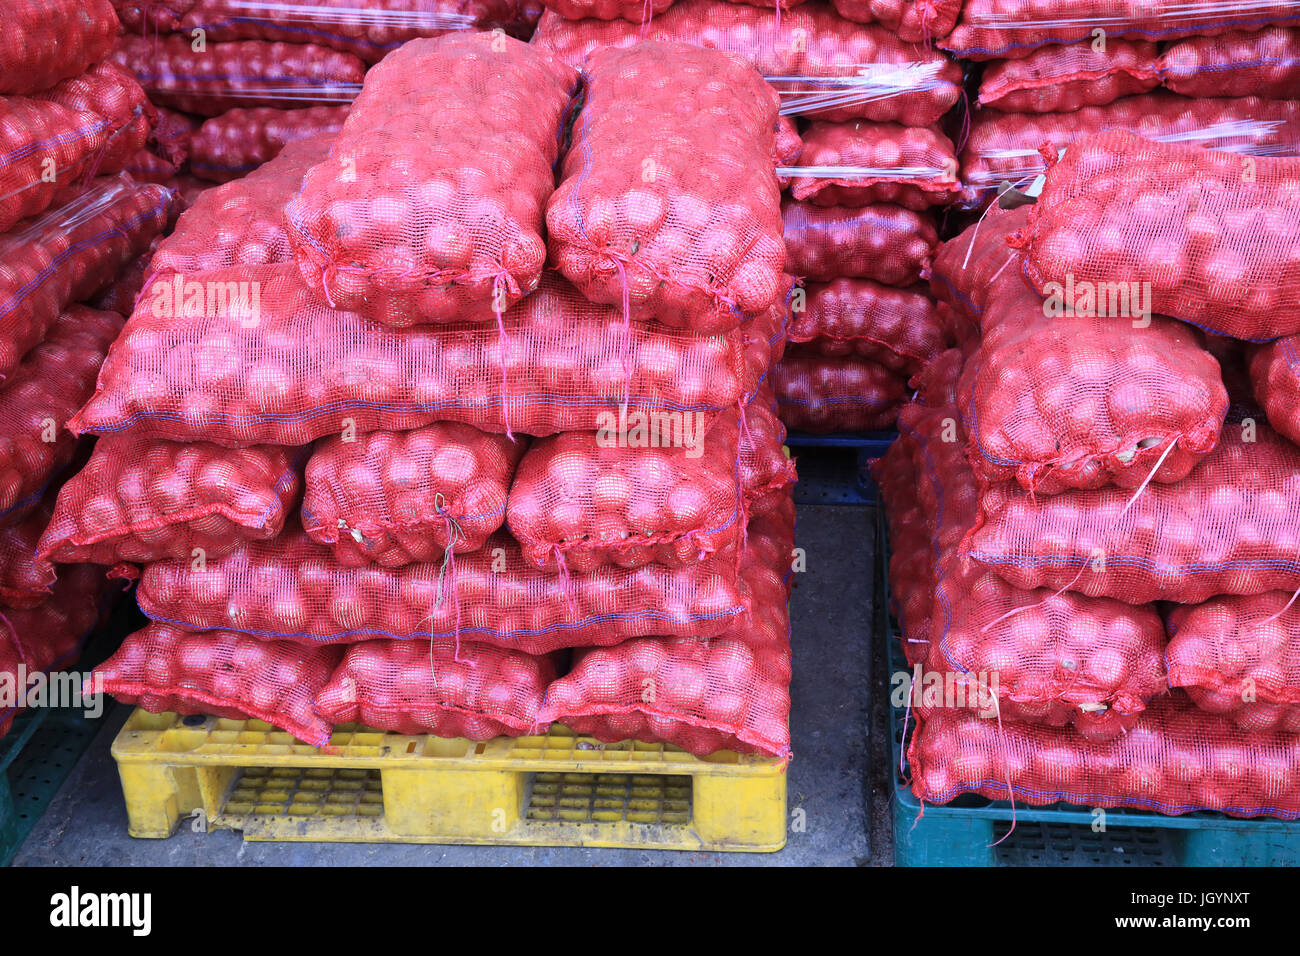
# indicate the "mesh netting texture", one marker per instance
pixel 820 394
pixel 165 669
pixel 1011 29
pixel 1232 526
pixel 430 205
pixel 1275 377
pixel 272 363
pixel 885 243
pixel 223 76
pixel 240 223
pixel 450 690
pixel 730 692
pixel 819 63
pixel 109 91
pixel 1240 657
pixel 1062 79
pixel 1265 63
pixel 294 589
pixel 138 500
pixel 1020 654
pixel 1006 146
pixel 54 379
pixel 237 142
pixel 45 41
pixel 912 20
pixel 668 201
pixel 69 254
pixel 370 30
pixel 859 164
pixel 1207 237
pixel 51 635
pixel 897 328
pixel 395 498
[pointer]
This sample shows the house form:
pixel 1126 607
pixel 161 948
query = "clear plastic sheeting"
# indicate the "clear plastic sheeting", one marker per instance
pixel 818 63
pixel 1009 29
pixel 239 73
pixel 1007 146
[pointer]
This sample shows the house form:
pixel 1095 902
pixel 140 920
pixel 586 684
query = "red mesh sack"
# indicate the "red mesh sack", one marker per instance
pixel 1275 377
pixel 394 498
pixel 1085 402
pixel 45 41
pixel 237 142
pixel 50 636
pixel 1010 29
pixel 432 211
pixel 110 91
pixel 1062 79
pixel 632 493
pixel 818 63
pixel 970 266
pixel 818 394
pixel 563 364
pixel 1240 657
pixel 369 30
pixel 171 134
pixel 1264 63
pixel 139 500
pixel 896 328
pixel 937 383
pixel 148 167
pixel 38 139
pixel 50 384
pixel 240 223
pixel 1212 236
pixel 1176 759
pixel 889 244
pixel 912 20
pixel 1230 527
pixel 68 255
pixel 121 294
pixel 436 687
pixel 636 11
pixel 1033 656
pixel 223 674
pixel 294 589
pixel 911 553
pixel 858 164
pixel 766 472
pixel 24 581
pixel 224 76
pixel 1006 146
pixel 727 693
pixel 188 189
pixel 668 200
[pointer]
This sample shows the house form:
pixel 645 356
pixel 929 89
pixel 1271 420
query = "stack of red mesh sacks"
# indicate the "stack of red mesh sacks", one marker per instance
pixel 70 221
pixel 1113 560
pixel 234 82
pixel 430 569
pixel 862 95
pixel 1223 76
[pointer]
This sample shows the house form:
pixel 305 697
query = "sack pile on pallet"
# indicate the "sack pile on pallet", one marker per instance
pixel 1094 515
pixel 1222 76
pixel 374 462
pixel 71 221
pixel 234 82
pixel 866 168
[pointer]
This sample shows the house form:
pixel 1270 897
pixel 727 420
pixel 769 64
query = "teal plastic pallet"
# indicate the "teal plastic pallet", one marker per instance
pixel 973 830
pixel 36 756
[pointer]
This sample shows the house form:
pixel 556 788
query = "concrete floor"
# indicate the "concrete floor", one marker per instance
pixel 839 775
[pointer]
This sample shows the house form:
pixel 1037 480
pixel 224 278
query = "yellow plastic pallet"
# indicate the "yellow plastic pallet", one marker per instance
pixel 369 786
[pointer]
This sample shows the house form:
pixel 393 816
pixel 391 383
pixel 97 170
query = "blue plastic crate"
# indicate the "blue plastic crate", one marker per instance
pixel 970 830
pixel 835 469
